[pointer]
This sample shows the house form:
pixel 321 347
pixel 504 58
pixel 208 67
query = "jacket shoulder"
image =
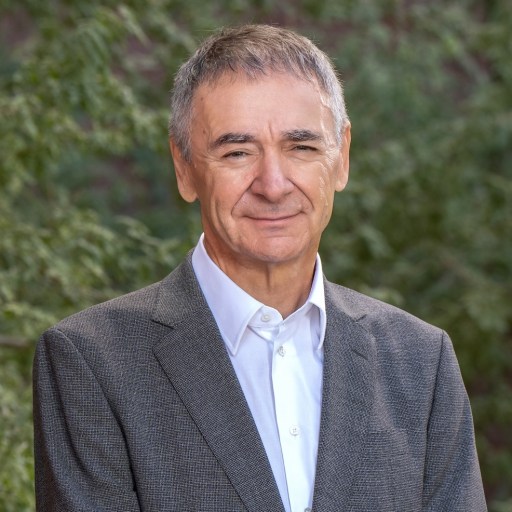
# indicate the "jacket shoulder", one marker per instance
pixel 359 306
pixel 125 311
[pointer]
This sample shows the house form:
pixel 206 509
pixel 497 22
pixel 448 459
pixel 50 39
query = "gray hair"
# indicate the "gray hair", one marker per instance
pixel 254 50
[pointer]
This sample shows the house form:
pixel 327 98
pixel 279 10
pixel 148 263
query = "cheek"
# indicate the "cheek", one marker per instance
pixel 324 198
pixel 222 200
pixel 324 191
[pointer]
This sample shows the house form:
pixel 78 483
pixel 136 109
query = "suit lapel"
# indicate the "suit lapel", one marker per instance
pixel 195 360
pixel 346 404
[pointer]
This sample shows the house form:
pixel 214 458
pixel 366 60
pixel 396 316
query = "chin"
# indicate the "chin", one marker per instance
pixel 275 253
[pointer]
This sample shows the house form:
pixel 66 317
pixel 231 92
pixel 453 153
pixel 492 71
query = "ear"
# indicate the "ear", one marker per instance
pixel 183 170
pixel 343 169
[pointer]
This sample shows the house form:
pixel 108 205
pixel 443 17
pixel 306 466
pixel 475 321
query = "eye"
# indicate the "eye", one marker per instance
pixel 303 147
pixel 235 154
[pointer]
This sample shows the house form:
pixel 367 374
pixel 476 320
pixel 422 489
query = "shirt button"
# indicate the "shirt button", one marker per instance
pixel 307 509
pixel 265 317
pixel 294 430
pixel 281 351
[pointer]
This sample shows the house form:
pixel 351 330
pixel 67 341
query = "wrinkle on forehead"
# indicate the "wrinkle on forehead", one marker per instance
pixel 227 78
pixel 225 114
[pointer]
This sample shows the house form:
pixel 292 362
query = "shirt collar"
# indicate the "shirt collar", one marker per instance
pixel 233 308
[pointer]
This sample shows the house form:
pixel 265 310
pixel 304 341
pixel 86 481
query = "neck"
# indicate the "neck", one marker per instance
pixel 282 286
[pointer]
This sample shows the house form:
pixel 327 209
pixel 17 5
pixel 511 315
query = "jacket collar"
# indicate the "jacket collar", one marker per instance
pixel 194 357
pixel 347 399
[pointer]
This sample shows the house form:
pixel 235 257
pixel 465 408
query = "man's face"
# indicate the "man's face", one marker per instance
pixel 265 165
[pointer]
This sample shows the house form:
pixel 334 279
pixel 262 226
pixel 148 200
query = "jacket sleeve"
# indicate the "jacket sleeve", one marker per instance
pixel 81 459
pixel 452 481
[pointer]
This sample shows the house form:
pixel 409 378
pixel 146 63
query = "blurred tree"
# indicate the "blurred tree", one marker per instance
pixel 88 206
pixel 83 160
pixel 426 220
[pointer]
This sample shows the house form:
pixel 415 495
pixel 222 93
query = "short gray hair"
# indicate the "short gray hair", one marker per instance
pixel 254 50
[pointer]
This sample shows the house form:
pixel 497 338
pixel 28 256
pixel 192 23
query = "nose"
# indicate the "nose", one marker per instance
pixel 271 180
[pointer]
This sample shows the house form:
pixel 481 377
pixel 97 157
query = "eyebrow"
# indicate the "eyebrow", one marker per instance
pixel 302 135
pixel 231 138
pixel 241 138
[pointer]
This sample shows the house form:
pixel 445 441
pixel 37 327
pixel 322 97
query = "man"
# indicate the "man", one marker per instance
pixel 244 381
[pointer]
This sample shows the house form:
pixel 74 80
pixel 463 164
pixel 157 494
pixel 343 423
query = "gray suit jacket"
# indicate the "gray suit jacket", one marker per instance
pixel 137 408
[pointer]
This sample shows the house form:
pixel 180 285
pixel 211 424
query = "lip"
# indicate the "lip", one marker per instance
pixel 279 222
pixel 280 218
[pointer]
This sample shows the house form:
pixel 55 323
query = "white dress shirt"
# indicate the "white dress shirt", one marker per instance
pixel 279 365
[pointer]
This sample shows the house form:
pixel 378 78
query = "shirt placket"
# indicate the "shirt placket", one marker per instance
pixel 287 405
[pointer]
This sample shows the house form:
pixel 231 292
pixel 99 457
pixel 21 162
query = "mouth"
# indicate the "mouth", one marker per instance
pixel 273 218
pixel 273 222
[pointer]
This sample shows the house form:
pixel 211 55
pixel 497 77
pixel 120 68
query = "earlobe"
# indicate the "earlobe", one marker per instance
pixel 182 169
pixel 343 169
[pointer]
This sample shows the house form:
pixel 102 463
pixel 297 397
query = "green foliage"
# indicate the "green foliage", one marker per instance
pixel 426 220
pixel 74 114
pixel 16 474
pixel 501 506
pixel 75 262
pixel 88 206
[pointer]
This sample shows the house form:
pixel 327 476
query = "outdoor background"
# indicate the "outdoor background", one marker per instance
pixel 89 207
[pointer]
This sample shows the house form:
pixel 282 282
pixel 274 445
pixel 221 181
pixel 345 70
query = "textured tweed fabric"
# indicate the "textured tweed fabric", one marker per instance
pixel 137 408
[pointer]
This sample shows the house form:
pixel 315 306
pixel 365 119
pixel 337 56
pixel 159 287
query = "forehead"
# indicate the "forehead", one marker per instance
pixel 279 100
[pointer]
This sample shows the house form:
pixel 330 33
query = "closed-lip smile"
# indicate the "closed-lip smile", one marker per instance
pixel 270 218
